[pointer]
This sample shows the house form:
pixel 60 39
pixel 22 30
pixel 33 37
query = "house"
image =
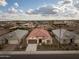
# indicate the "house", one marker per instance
pixel 14 37
pixel 29 25
pixel 3 31
pixel 39 36
pixel 43 26
pixel 66 37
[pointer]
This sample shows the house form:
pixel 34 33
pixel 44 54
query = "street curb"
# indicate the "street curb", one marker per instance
pixel 39 52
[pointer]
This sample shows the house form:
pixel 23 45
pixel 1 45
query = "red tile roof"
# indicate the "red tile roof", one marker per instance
pixel 39 32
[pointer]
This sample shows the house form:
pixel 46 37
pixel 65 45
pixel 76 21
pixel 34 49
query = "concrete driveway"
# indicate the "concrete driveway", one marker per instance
pixel 31 47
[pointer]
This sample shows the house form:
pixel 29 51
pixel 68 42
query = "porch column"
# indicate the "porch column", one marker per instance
pixel 27 41
pixel 37 41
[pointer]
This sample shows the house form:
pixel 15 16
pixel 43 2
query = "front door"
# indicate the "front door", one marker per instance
pixel 71 41
pixel 40 40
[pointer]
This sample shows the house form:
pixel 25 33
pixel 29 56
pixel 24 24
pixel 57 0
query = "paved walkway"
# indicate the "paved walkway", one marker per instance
pixel 31 47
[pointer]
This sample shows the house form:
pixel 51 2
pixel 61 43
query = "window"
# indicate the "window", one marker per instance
pixel 48 41
pixel 64 40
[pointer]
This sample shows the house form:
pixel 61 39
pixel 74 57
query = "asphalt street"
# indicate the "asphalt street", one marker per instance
pixel 41 56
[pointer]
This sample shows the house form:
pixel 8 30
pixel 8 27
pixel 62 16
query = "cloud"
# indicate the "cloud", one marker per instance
pixel 16 4
pixel 62 8
pixel 21 11
pixel 68 9
pixel 29 11
pixel 45 9
pixel 3 3
pixel 12 10
pixel 76 4
pixel 65 8
pixel 15 9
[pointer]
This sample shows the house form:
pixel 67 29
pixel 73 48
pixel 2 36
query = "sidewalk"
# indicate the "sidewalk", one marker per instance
pixel 39 52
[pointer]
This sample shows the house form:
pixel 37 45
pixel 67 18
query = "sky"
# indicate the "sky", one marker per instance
pixel 41 9
pixel 25 4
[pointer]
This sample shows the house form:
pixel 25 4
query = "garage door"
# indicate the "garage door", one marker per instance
pixel 32 41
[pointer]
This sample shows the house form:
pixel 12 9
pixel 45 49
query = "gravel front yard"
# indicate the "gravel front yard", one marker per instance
pixel 56 47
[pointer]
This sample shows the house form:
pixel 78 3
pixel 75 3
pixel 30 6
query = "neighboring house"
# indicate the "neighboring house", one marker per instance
pixel 29 25
pixel 44 26
pixel 66 37
pixel 3 31
pixel 14 37
pixel 38 36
